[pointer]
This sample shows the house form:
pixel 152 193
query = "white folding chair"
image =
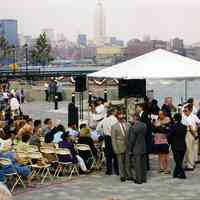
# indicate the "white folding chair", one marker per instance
pixel 18 179
pixel 62 166
pixel 85 147
pixel 42 168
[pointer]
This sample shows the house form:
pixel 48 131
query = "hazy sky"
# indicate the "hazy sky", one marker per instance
pixel 126 19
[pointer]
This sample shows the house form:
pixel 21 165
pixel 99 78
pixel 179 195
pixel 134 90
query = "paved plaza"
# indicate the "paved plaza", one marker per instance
pixel 101 187
pixel 97 186
pixel 42 110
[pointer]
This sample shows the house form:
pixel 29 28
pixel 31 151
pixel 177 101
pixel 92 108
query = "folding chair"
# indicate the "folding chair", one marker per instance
pixel 85 147
pixel 42 168
pixel 100 155
pixel 18 179
pixel 63 165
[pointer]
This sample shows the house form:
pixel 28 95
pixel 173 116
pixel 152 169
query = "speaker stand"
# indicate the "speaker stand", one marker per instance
pixel 81 114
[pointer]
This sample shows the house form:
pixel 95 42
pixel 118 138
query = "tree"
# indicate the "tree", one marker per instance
pixel 5 49
pixel 41 53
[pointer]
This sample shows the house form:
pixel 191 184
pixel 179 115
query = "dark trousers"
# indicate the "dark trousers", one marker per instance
pixel 147 162
pixel 178 158
pixel 111 158
pixel 140 168
pixel 46 95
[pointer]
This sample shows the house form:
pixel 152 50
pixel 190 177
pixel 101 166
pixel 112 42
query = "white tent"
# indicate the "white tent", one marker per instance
pixel 158 64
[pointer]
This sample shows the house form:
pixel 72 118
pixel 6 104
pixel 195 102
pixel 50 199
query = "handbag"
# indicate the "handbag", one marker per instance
pixel 160 138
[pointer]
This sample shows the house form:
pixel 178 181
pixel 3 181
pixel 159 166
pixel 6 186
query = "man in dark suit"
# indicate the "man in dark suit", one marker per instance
pixel 119 134
pixel 177 139
pixel 145 118
pixel 137 148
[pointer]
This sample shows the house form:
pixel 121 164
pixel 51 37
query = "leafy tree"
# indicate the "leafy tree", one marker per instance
pixel 41 52
pixel 5 49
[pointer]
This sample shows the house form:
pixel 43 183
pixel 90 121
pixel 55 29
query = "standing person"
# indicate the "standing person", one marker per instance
pixel 161 129
pixel 22 96
pixel 146 118
pixel 105 127
pixel 119 134
pixel 154 108
pixel 168 106
pixel 14 105
pixel 191 121
pixel 137 148
pixel 46 85
pixel 100 110
pixel 177 137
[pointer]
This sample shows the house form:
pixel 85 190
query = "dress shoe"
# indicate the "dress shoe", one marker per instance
pixel 137 182
pixel 130 179
pixel 189 169
pixel 122 179
pixel 108 173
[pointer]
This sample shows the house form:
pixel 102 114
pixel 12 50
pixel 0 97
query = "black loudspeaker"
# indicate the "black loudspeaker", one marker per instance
pixel 132 88
pixel 80 83
pixel 72 114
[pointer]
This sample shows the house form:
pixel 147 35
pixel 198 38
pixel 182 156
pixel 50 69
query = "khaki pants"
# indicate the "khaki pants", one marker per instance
pixel 190 153
pixel 196 150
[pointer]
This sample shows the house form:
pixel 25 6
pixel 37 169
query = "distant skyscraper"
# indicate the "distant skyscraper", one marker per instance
pixel 82 40
pixel 9 30
pixel 100 24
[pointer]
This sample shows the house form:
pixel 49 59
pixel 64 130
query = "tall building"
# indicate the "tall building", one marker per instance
pixel 177 45
pixel 82 40
pixel 9 30
pixel 100 24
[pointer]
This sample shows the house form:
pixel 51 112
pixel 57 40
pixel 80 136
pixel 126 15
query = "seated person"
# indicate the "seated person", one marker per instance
pixel 59 130
pixel 73 131
pixel 27 129
pixel 5 141
pixel 48 143
pixel 85 138
pixel 23 145
pixel 18 164
pixel 37 133
pixel 74 157
pixel 48 126
pixel 95 135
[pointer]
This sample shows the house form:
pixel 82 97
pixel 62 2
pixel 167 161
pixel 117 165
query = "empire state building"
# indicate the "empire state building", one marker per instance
pixel 100 24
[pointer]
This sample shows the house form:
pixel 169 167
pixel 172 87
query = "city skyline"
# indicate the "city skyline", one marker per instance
pixel 125 20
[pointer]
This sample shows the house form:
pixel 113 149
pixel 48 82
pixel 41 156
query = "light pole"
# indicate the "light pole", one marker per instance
pixel 13 57
pixel 26 56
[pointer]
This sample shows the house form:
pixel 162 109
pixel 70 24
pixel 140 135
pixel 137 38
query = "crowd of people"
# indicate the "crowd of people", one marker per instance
pixel 125 145
pixel 152 130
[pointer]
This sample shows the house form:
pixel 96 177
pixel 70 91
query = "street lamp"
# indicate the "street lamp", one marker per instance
pixel 14 58
pixel 26 55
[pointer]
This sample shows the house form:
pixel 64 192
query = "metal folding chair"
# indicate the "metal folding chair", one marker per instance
pixel 43 169
pixel 62 166
pixel 85 147
pixel 18 179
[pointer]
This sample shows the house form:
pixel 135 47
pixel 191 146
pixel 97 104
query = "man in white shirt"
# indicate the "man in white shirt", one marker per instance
pixel 14 105
pixel 191 121
pixel 104 127
pixel 100 111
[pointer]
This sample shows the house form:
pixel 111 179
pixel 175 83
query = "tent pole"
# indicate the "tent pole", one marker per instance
pixel 186 87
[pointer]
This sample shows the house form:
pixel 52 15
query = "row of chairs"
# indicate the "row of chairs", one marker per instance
pixel 41 168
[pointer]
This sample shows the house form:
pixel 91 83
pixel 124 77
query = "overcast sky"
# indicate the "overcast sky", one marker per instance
pixel 126 19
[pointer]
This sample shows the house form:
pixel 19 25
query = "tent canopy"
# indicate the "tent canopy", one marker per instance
pixel 158 64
